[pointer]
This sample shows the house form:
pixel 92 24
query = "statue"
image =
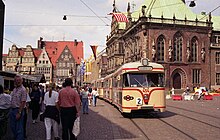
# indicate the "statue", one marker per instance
pixel 144 54
pixel 170 51
pixel 153 52
pixel 188 53
pixel 203 54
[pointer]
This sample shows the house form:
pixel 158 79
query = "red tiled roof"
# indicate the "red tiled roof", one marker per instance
pixel 37 52
pixel 54 49
pixel 21 52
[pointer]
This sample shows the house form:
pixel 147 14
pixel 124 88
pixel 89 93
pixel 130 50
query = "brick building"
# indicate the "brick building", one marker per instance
pixel 169 33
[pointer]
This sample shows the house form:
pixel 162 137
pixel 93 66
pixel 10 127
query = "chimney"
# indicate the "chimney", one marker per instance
pixel 75 42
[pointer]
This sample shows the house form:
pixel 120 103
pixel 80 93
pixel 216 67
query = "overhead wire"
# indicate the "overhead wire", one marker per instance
pixel 51 25
pixel 12 42
pixel 94 12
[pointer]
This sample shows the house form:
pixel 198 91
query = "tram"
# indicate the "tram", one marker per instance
pixel 135 86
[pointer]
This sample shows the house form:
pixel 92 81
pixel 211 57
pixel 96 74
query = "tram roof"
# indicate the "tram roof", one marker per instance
pixel 138 64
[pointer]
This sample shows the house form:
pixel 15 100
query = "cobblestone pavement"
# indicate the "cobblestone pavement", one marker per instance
pixel 182 120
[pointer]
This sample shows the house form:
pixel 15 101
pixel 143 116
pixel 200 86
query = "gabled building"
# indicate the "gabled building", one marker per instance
pixel 14 59
pixel 29 59
pixel 22 60
pixel 57 51
pixel 44 66
pixel 65 65
pixel 169 33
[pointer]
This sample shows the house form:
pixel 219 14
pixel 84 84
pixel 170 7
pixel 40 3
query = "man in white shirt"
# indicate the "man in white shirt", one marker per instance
pixel 5 104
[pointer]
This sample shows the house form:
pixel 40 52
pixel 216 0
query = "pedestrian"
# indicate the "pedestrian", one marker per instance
pixel 84 94
pixel 42 105
pixel 35 102
pixel 95 96
pixel 172 91
pixel 89 88
pixel 69 104
pixel 51 114
pixel 5 104
pixel 26 108
pixel 18 101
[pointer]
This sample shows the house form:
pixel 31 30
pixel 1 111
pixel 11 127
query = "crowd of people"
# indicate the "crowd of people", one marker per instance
pixel 56 105
pixel 200 92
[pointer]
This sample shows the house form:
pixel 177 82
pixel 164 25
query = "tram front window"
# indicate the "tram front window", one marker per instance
pixel 143 80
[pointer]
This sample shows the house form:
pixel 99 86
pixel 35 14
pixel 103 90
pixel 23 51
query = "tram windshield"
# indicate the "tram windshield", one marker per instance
pixel 143 80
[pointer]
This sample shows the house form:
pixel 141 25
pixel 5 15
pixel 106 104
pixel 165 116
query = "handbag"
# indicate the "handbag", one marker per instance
pixel 76 127
pixel 42 117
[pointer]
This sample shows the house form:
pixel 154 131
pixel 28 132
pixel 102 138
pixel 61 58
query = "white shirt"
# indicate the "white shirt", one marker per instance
pixel 51 100
pixel 5 101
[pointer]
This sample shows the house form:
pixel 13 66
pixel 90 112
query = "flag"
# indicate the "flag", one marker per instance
pixel 94 48
pixel 120 17
pixel 82 68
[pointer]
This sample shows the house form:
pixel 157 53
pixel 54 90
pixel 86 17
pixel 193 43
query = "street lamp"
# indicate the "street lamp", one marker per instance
pixel 192 3
pixel 64 17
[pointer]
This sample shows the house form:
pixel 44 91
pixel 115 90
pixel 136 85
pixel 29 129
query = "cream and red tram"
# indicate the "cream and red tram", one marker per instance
pixel 136 86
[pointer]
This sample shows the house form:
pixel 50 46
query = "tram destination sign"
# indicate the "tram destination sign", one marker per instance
pixel 145 68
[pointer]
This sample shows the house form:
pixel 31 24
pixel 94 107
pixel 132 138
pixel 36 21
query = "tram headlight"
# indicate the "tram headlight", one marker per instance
pixel 146 97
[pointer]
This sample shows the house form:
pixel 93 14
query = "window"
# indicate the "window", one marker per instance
pixel 196 76
pixel 217 57
pixel 217 39
pixel 194 49
pixel 143 80
pixel 120 47
pixel 178 44
pixel 217 78
pixel 160 48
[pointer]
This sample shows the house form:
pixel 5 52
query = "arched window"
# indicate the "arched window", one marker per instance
pixel 194 44
pixel 178 44
pixel 160 48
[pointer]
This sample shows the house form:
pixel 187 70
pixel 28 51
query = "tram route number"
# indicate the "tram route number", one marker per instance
pixel 139 101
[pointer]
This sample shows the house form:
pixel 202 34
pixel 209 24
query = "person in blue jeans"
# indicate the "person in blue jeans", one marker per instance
pixel 84 94
pixel 18 101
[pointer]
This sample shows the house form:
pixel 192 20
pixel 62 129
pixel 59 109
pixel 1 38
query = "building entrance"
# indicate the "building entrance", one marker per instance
pixel 177 81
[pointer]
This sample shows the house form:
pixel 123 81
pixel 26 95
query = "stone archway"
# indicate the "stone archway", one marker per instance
pixel 178 79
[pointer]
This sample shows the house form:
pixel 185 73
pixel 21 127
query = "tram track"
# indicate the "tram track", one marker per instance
pixel 161 120
pixel 139 128
pixel 197 119
pixel 157 116
pixel 193 111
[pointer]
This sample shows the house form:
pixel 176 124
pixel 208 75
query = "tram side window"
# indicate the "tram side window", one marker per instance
pixel 126 80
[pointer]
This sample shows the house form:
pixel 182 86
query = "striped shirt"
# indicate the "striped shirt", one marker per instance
pixel 18 95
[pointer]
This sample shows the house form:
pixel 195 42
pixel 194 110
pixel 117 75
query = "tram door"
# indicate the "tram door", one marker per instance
pixel 177 81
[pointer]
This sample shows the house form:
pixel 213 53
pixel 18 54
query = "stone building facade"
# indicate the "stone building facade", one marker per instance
pixel 168 34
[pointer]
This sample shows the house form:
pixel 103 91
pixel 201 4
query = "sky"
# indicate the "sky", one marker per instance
pixel 87 20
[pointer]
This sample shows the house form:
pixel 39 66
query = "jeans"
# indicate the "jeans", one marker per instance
pixel 85 105
pixel 17 125
pixel 94 100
